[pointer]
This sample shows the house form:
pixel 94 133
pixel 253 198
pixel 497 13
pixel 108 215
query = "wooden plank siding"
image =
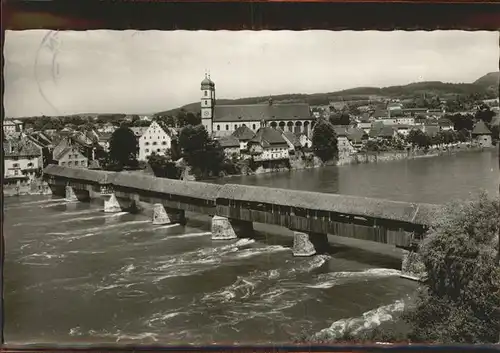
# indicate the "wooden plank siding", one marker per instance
pixel 384 221
pixel 322 222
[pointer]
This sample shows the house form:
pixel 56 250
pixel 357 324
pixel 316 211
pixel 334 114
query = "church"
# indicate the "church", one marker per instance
pixel 223 120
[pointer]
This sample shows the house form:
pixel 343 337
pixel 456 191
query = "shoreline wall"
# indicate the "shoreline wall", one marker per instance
pixel 376 157
pixel 35 187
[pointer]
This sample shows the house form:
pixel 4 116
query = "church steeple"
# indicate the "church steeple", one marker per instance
pixel 207 102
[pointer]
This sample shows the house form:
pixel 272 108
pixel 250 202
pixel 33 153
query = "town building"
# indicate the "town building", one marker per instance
pixel 223 120
pixel 387 121
pixel 104 140
pixel 230 145
pixel 357 137
pixel 243 134
pixel 139 131
pixel 71 153
pixel 481 134
pixel 157 138
pixel 430 129
pixel 305 141
pixel 343 144
pixel 414 111
pixel 108 127
pixel 293 141
pixel 405 120
pixel 387 133
pixel 268 145
pixel 402 129
pixel 12 125
pixel 445 124
pixel 22 159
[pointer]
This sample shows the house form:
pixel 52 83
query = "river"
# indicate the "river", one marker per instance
pixel 75 274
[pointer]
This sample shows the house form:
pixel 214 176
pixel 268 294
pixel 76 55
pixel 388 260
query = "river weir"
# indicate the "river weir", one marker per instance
pixel 69 263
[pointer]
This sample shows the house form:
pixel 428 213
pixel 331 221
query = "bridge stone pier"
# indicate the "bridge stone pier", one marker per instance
pixel 224 228
pixel 233 209
pixel 163 216
pixel 305 244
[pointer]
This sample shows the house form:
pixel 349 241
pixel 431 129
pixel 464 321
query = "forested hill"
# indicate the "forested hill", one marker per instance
pixel 486 85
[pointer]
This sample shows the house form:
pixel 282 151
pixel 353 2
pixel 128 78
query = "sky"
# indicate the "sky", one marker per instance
pixel 142 72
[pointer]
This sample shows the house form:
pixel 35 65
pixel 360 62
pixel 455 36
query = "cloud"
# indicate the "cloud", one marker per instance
pixel 147 71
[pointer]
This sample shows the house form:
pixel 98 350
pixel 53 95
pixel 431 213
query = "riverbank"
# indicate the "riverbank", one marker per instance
pixel 35 187
pixel 310 161
pixel 389 156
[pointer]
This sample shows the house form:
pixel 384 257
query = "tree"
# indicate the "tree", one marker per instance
pixel 167 119
pixel 419 139
pixel 123 147
pixel 324 141
pixel 460 301
pixel 203 154
pixel 463 135
pixel 192 119
pixel 485 114
pixel 340 119
pixel 163 166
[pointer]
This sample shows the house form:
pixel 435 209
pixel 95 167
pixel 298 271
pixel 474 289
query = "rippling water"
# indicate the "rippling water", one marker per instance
pixel 73 273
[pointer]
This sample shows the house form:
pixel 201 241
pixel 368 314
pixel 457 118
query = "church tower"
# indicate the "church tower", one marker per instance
pixel 207 103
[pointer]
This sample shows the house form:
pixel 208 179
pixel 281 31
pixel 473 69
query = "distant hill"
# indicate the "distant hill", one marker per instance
pixel 489 80
pixel 487 84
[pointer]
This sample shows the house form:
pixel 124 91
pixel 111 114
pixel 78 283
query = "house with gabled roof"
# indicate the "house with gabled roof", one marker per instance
pixel 356 136
pixel 70 153
pixel 268 144
pixel 292 140
pixel 305 141
pixel 12 126
pixel 243 134
pixel 104 139
pixel 430 130
pixel 387 132
pixel 230 145
pixel 445 124
pixel 157 138
pixel 481 134
pixel 22 158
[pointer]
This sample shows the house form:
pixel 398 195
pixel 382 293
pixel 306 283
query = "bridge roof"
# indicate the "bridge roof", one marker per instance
pixel 342 204
pixel 98 176
pixel 146 182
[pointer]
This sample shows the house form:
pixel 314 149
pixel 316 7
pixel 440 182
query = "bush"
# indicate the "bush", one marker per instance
pixel 460 301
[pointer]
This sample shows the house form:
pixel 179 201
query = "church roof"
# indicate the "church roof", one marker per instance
pixel 481 129
pixel 207 82
pixel 243 133
pixel 257 112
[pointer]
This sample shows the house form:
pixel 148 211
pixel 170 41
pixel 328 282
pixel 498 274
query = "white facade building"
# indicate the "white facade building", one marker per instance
pixel 157 138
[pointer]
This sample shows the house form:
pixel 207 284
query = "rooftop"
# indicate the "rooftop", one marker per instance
pixel 258 112
pixel 243 133
pixel 269 137
pixel 229 141
pixel 293 138
pixel 481 129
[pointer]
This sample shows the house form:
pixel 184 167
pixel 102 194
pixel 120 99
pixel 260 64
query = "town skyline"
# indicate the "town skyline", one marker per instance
pixel 129 72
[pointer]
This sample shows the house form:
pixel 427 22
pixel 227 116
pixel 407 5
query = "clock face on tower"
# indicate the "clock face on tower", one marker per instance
pixel 206 113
